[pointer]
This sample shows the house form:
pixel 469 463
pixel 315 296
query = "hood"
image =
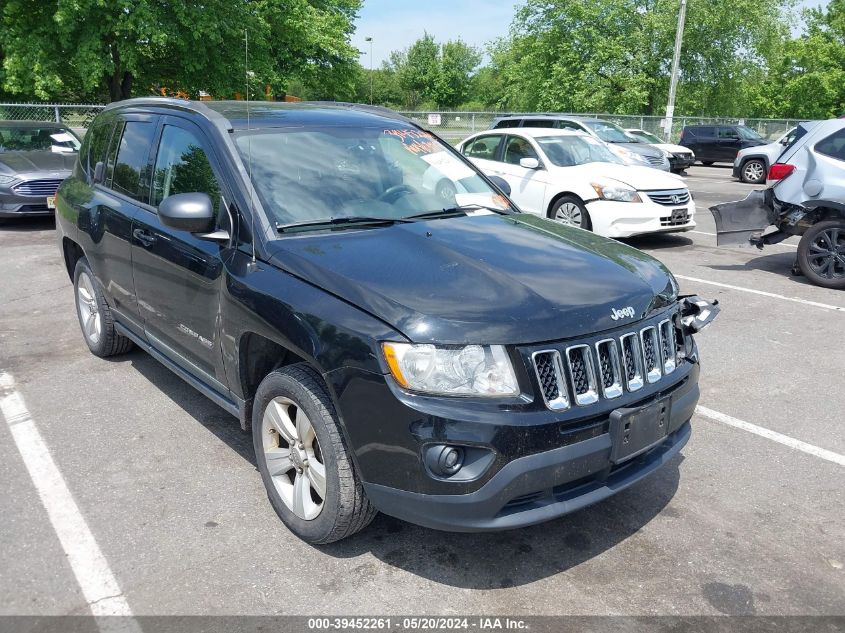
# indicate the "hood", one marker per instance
pixel 644 149
pixel 640 178
pixel 675 149
pixel 57 164
pixel 482 278
pixel 770 151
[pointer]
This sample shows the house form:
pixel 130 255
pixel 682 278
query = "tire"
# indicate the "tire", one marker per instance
pixel 316 514
pixel 446 192
pixel 707 163
pixel 571 211
pixel 821 254
pixel 94 314
pixel 753 171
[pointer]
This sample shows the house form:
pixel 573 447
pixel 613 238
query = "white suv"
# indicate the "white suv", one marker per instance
pixel 806 196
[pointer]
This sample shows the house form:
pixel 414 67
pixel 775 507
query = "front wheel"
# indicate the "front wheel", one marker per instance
pixel 303 459
pixel 571 211
pixel 753 172
pixel 821 254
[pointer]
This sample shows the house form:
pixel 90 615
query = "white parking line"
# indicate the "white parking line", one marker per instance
pixel 791 442
pixel 773 295
pixel 90 567
pixel 714 235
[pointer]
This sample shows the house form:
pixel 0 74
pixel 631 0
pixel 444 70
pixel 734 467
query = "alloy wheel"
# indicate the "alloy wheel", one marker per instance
pixel 89 311
pixel 753 171
pixel 569 213
pixel 826 254
pixel 293 458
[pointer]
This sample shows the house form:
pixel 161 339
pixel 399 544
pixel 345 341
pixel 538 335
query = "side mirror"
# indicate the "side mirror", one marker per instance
pixel 99 173
pixel 502 184
pixel 529 163
pixel 191 212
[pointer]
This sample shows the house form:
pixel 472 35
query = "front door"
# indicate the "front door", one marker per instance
pixel 527 188
pixel 178 277
pixel 728 144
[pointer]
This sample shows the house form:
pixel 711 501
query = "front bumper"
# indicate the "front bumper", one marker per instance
pixel 625 219
pixel 543 486
pixel 13 205
pixel 680 162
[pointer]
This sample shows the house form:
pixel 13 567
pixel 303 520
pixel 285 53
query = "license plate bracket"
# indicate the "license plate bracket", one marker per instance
pixel 680 216
pixel 635 430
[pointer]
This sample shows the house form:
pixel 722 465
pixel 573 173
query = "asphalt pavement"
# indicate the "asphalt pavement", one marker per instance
pixel 749 520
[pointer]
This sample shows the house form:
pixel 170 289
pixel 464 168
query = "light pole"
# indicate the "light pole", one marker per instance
pixel 370 40
pixel 676 62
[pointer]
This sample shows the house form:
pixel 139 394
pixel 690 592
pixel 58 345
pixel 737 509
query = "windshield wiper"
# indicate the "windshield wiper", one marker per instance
pixel 354 219
pixel 448 212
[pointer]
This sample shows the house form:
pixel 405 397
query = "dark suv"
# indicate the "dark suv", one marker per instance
pixel 454 363
pixel 718 143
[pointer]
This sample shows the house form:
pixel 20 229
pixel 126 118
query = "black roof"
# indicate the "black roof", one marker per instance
pixel 262 114
pixel 41 124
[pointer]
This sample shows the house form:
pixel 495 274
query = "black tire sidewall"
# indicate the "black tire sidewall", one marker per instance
pixel 586 224
pixel 282 384
pixel 804 248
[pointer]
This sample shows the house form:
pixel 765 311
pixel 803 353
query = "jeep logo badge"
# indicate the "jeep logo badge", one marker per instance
pixel 627 312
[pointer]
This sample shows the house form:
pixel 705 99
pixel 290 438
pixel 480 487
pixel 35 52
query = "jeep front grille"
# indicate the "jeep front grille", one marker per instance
pixel 582 374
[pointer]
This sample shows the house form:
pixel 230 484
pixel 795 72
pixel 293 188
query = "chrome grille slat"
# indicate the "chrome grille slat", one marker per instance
pixel 582 374
pixel 669 198
pixel 668 351
pixel 42 187
pixel 549 370
pixel 609 368
pixel 582 371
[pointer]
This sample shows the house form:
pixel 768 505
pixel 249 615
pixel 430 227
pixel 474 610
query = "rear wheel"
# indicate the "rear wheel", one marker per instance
pixel 95 317
pixel 302 456
pixel 821 254
pixel 446 191
pixel 753 171
pixel 571 211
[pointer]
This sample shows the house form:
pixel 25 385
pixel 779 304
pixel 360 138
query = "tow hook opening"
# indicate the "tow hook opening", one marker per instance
pixel 697 313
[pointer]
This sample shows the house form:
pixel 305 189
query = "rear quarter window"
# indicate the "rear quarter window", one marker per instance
pixel 833 145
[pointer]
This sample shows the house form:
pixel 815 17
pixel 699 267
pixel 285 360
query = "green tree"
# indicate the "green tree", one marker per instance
pixel 418 69
pixel 615 55
pixel 452 85
pixel 112 49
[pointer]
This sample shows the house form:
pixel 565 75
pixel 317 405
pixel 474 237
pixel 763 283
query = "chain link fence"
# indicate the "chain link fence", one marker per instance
pixel 77 116
pixel 453 126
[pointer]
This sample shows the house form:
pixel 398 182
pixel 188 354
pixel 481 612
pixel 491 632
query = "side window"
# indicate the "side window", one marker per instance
pixel 131 171
pixel 568 125
pixel 538 123
pixel 96 144
pixel 507 123
pixel 728 132
pixel 483 147
pixel 518 148
pixel 833 145
pixel 182 166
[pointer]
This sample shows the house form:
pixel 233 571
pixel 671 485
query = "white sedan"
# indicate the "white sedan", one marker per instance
pixel 575 179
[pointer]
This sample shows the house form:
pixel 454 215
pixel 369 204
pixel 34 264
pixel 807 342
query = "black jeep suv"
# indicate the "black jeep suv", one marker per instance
pixel 455 363
pixel 718 143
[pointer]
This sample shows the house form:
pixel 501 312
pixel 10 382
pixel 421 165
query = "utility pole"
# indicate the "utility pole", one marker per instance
pixel 676 62
pixel 370 40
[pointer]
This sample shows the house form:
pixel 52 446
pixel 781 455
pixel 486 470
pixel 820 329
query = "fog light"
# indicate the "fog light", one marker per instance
pixel 443 460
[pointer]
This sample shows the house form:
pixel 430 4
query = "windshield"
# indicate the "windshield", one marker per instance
pixel 37 139
pixel 308 174
pixel 748 134
pixel 610 133
pixel 647 137
pixel 567 151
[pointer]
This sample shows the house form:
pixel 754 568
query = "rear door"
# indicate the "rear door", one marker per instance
pixel 122 143
pixel 528 189
pixel 178 276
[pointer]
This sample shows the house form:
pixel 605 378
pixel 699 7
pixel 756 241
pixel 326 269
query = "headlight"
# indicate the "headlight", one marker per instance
pixel 616 191
pixel 666 153
pixel 473 370
pixel 5 180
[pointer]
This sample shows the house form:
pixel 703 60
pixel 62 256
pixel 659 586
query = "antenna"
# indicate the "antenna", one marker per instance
pixel 249 148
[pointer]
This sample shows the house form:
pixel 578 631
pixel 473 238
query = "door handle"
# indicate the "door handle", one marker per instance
pixel 144 237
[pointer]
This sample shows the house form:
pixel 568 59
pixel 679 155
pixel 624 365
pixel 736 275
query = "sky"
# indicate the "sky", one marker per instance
pixel 396 24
